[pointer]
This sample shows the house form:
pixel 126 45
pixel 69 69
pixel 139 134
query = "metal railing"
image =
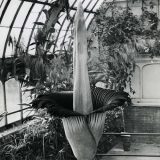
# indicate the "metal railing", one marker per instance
pixel 21 119
pixel 129 155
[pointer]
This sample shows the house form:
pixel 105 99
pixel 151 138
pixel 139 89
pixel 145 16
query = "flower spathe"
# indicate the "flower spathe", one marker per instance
pixel 83 111
pixel 83 133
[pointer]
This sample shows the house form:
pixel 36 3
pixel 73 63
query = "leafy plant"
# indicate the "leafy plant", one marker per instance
pixel 44 71
pixel 121 37
pixel 43 139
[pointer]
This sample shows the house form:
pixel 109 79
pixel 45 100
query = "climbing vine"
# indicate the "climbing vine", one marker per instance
pixel 121 37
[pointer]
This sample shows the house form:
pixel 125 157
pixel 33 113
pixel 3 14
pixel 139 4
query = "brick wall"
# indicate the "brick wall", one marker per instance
pixel 143 119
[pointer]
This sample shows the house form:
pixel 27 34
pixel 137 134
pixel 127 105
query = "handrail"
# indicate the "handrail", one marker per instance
pixel 129 155
pixel 5 114
pixel 18 110
pixel 128 133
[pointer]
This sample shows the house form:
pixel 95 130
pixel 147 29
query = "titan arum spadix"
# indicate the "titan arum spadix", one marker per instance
pixel 83 111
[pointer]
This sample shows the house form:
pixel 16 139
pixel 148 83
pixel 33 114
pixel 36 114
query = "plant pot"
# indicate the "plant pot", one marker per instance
pixel 126 140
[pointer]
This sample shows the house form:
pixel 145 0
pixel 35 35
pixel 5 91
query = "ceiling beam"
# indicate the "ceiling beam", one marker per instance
pixel 49 4
pixel 38 2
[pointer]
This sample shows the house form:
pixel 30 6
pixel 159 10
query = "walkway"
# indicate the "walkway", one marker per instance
pixel 136 149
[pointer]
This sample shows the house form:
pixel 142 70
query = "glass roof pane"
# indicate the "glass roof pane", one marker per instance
pixel 88 20
pixel 1 1
pixel 33 16
pixel 66 23
pixel 10 13
pixel 91 5
pixel 22 14
pixel 76 3
pixel 68 36
pixel 86 3
pixel 3 33
pixel 71 2
pixel 61 19
pixel 98 5
pixel 85 15
pixel 42 18
pixel 72 12
pixel 2 5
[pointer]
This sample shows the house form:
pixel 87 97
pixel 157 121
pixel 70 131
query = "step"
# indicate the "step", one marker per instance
pixel 138 151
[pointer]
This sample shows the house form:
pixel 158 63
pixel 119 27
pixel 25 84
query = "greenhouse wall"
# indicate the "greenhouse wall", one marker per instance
pixel 143 119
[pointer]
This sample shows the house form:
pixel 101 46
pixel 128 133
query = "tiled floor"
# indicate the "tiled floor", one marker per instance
pixel 136 149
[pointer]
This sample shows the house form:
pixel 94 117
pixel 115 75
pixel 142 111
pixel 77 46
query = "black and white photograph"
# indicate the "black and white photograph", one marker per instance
pixel 79 79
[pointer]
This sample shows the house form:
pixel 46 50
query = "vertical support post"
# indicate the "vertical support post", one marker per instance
pixel 21 107
pixel 5 101
pixel 141 82
pixel 158 9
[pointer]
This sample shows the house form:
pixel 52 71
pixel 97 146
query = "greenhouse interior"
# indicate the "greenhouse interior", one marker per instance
pixel 79 79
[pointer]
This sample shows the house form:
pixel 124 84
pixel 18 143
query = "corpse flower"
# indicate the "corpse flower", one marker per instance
pixel 83 110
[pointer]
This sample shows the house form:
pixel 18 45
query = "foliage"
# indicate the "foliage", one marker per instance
pixel 44 139
pixel 121 37
pixel 119 28
pixel 44 71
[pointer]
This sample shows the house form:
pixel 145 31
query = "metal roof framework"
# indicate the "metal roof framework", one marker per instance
pixel 18 22
pixel 18 17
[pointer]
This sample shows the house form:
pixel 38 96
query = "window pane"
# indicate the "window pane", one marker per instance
pixel 2 5
pixel 10 13
pixel 3 33
pixel 13 117
pixel 13 95
pixel 22 14
pixel 151 79
pixel 33 16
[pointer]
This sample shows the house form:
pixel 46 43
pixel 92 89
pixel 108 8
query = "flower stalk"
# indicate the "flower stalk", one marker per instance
pixel 84 132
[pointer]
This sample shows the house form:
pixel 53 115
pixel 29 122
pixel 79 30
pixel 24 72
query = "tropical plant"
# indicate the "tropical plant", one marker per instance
pixel 121 37
pixel 44 71
pixel 46 133
pixel 83 112
pixel 85 116
pixel 42 138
